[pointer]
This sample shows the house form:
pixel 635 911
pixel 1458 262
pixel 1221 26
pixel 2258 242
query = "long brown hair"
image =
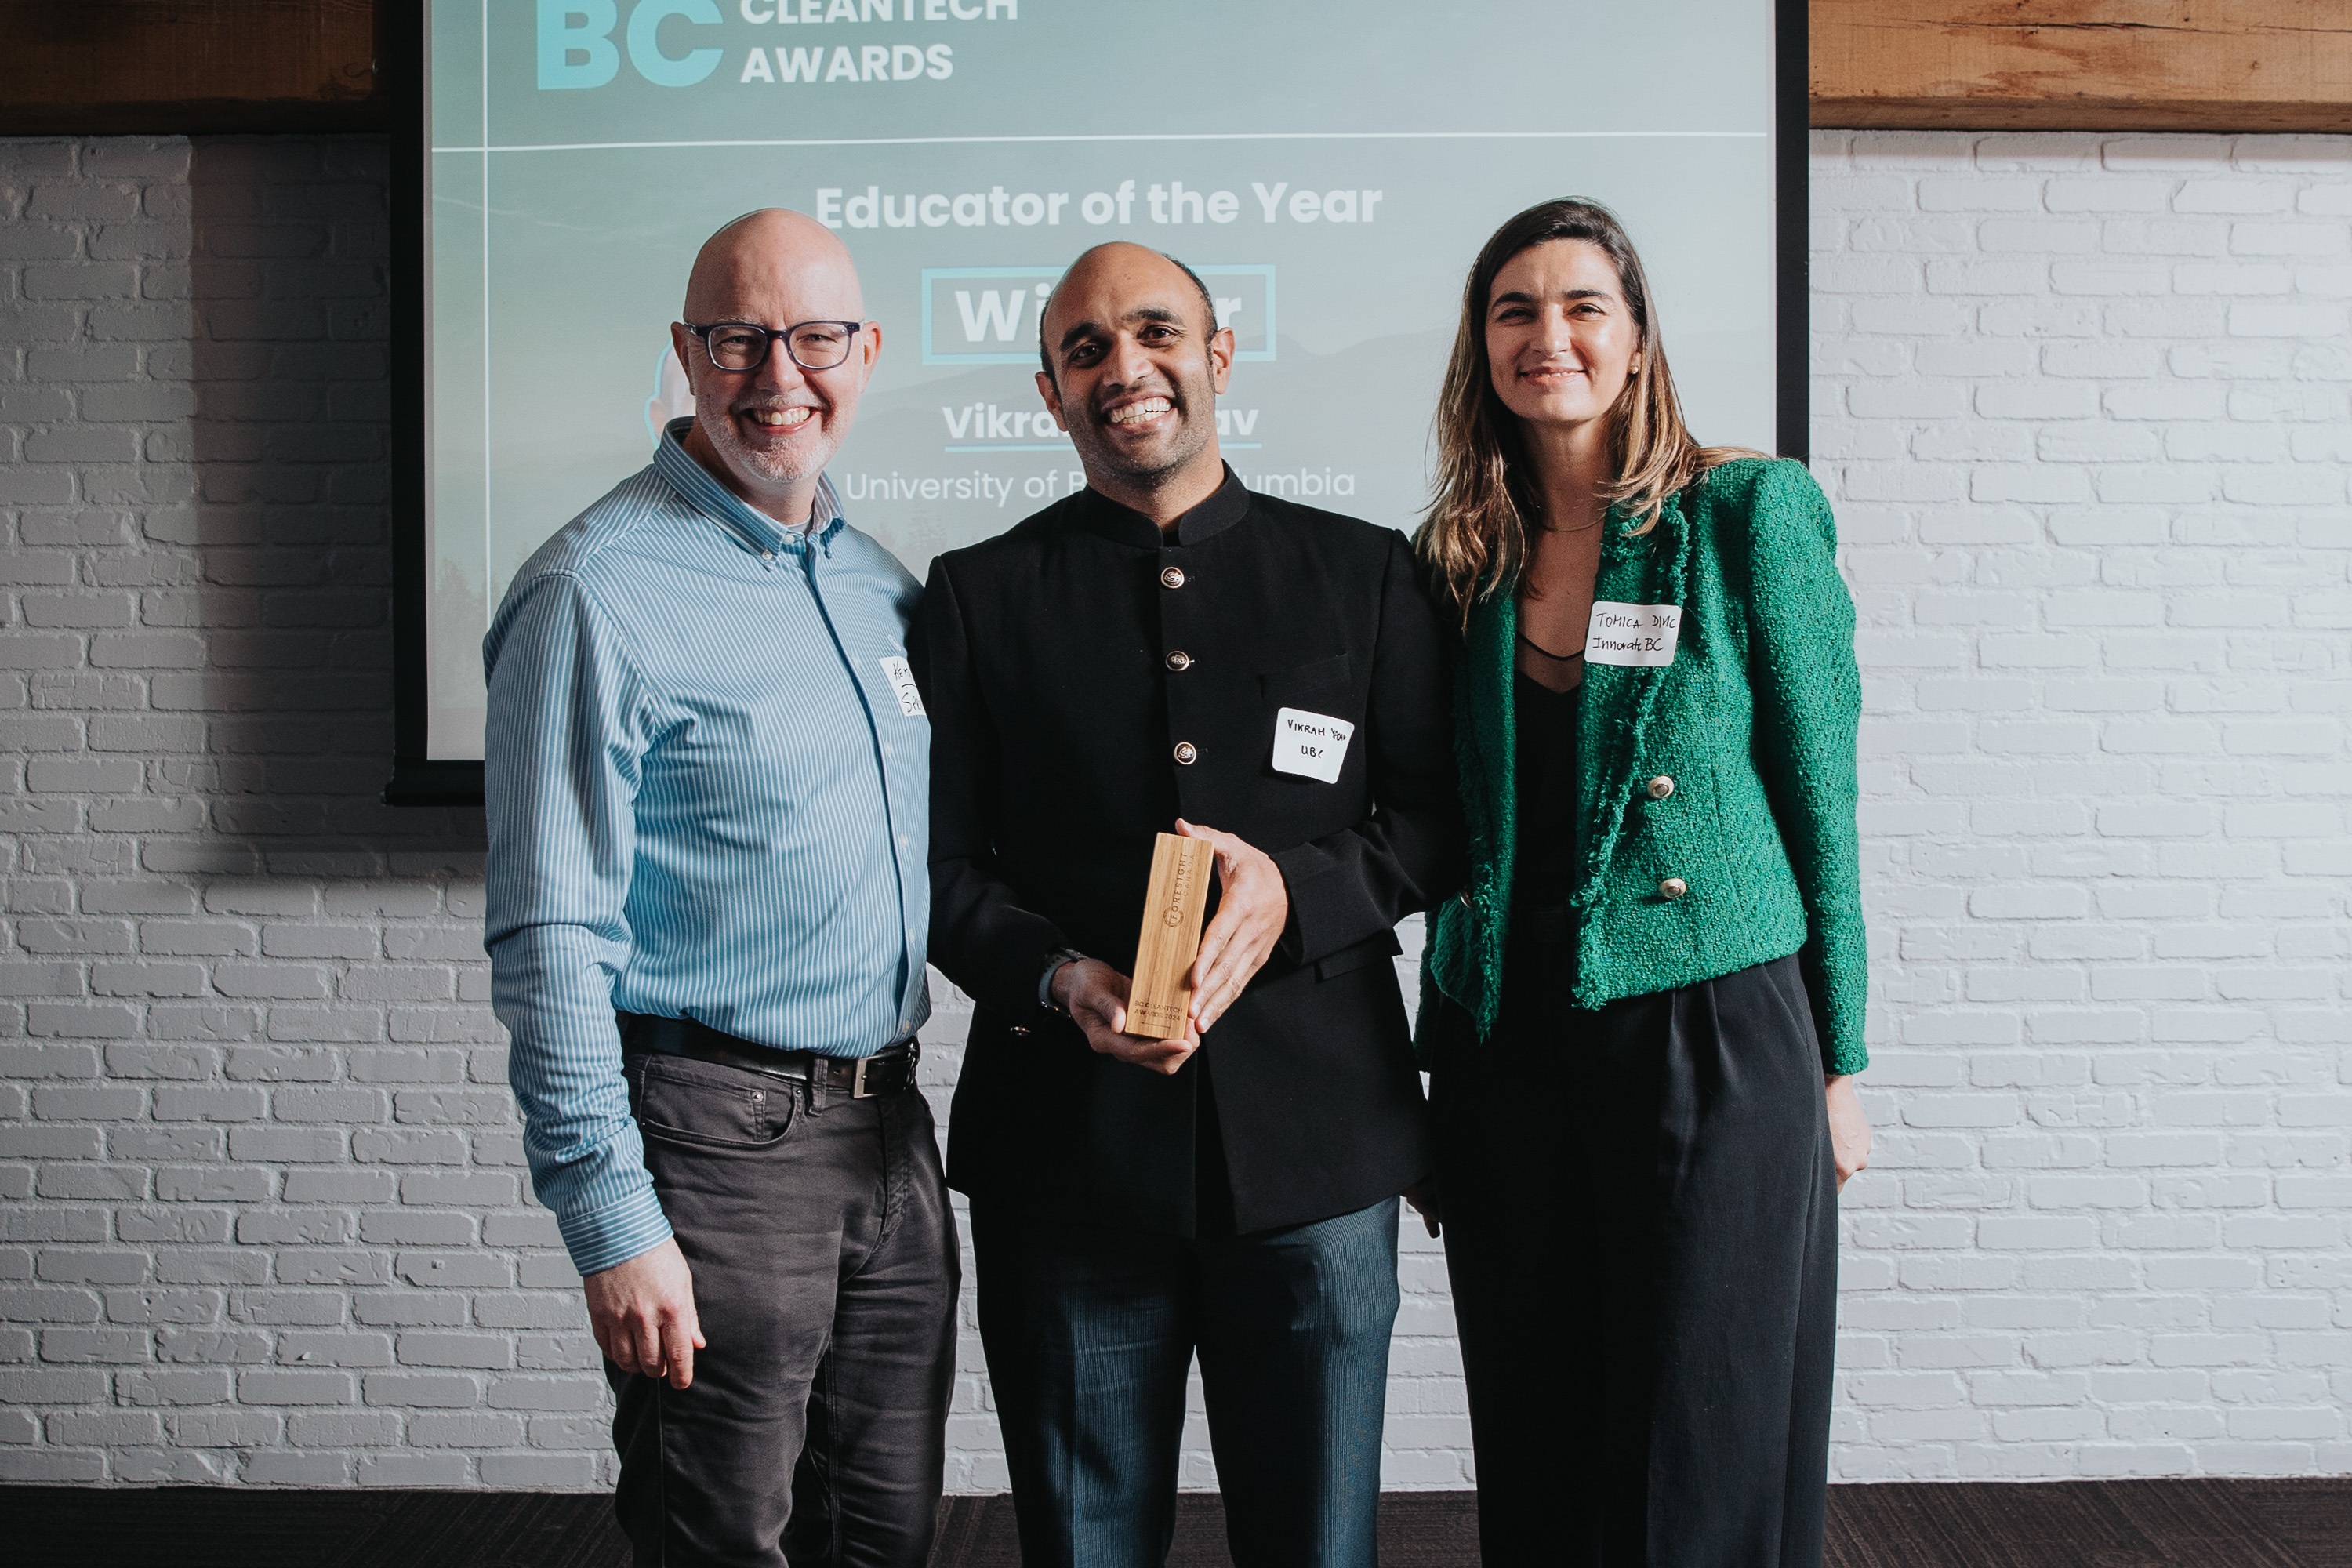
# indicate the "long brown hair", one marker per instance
pixel 1476 536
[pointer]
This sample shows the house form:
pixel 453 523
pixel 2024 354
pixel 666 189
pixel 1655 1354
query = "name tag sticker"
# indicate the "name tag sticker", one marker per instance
pixel 901 677
pixel 1639 634
pixel 1311 746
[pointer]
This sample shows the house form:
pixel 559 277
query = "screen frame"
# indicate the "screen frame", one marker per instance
pixel 420 780
pixel 417 778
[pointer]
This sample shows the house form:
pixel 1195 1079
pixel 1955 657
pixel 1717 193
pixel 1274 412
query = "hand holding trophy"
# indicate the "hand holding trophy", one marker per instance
pixel 1147 1023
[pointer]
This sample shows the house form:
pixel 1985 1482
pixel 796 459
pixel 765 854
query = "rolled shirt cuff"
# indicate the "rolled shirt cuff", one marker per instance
pixel 612 1236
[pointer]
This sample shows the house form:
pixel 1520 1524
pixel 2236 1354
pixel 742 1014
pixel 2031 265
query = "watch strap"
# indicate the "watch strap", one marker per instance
pixel 1053 961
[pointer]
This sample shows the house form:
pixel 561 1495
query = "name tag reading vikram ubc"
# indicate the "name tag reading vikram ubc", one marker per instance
pixel 1311 746
pixel 1639 634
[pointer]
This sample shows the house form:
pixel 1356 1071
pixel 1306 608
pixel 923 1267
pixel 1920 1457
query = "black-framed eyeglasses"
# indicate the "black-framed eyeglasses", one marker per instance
pixel 745 345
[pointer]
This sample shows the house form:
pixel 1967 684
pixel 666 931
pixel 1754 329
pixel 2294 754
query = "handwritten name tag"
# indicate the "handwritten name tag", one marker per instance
pixel 901 677
pixel 1311 746
pixel 1642 635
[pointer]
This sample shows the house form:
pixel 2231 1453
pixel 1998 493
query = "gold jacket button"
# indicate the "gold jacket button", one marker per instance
pixel 1180 659
pixel 1185 752
pixel 1171 576
pixel 1660 787
pixel 1673 887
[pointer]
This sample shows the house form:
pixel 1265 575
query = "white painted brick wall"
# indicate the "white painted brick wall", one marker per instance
pixel 2082 403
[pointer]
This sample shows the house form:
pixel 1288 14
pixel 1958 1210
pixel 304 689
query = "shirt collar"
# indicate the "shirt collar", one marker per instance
pixel 699 488
pixel 1125 525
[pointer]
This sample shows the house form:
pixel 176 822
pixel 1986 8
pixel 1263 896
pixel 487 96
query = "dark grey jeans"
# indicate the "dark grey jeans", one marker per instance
pixel 826 1275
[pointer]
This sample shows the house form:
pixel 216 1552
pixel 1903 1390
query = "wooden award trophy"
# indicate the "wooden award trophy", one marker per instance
pixel 1160 996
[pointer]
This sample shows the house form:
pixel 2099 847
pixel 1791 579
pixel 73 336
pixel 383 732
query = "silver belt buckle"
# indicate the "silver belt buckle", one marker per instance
pixel 857 1090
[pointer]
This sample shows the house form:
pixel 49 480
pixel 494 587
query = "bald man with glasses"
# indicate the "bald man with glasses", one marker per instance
pixel 706 764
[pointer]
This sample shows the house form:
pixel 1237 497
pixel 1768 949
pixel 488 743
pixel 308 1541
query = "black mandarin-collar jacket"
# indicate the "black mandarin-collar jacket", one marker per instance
pixel 1048 661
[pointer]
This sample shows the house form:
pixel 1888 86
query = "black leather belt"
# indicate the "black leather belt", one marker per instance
pixel 886 1071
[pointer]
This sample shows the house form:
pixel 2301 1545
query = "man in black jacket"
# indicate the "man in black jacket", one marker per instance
pixel 1167 651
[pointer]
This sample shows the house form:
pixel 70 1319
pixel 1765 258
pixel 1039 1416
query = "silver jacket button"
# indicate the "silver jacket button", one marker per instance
pixel 1660 787
pixel 1180 659
pixel 1171 576
pixel 1673 887
pixel 1185 752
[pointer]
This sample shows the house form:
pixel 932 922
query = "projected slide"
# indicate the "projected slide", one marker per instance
pixel 1329 169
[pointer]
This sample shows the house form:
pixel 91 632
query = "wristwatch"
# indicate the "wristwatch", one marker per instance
pixel 1053 961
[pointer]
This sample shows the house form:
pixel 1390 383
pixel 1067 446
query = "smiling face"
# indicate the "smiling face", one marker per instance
pixel 768 433
pixel 1561 339
pixel 1137 362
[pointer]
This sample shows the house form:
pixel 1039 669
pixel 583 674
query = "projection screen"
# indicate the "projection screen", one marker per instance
pixel 1329 166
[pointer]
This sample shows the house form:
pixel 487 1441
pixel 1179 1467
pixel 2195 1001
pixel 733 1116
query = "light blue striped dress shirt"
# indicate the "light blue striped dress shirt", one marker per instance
pixel 706 776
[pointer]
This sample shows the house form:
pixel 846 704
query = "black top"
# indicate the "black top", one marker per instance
pixel 1545 872
pixel 1061 720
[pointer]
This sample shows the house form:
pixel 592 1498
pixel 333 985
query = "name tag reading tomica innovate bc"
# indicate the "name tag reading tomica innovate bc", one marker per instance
pixel 1642 635
pixel 1311 746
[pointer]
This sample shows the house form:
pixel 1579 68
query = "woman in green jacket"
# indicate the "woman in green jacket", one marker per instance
pixel 1643 1013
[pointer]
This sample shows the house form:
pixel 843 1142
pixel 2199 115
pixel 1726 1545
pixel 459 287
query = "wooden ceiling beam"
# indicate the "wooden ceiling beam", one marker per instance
pixel 97 67
pixel 149 67
pixel 2082 65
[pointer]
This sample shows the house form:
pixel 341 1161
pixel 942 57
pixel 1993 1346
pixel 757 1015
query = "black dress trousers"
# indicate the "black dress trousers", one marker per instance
pixel 1641 1225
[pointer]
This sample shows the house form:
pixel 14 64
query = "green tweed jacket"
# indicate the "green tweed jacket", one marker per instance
pixel 1716 799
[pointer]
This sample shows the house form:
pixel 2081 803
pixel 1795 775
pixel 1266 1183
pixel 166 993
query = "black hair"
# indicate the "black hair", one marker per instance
pixel 1208 308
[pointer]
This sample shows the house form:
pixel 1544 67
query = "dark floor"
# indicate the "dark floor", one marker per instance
pixel 2055 1524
